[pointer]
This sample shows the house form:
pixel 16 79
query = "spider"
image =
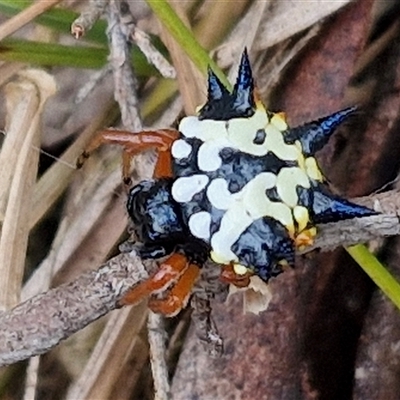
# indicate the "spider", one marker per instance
pixel 234 184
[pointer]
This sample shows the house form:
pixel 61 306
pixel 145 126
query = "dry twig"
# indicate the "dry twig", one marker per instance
pixel 88 17
pixel 157 340
pixel 40 323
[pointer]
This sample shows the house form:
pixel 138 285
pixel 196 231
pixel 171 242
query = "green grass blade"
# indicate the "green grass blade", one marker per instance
pixel 52 54
pixel 60 20
pixel 185 38
pixel 377 272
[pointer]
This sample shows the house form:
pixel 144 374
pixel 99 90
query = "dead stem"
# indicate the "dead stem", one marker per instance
pixel 40 323
pixel 124 80
pixel 157 339
pixel 88 17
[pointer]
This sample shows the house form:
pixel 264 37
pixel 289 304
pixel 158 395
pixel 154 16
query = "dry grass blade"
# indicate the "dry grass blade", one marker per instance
pixel 245 35
pixel 31 378
pixel 217 20
pixel 241 36
pixel 273 68
pixel 35 87
pixel 157 339
pixel 57 178
pixel 25 106
pixel 118 340
pixel 26 16
pixel 287 18
pixel 7 70
pixel 190 80
pixel 74 230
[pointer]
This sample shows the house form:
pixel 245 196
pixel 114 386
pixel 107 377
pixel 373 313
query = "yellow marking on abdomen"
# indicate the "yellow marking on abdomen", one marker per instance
pixel 313 170
pixel 287 182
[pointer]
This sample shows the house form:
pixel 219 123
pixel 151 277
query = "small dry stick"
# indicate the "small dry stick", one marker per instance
pixel 124 80
pixel 157 339
pixel 153 56
pixel 40 323
pixel 88 17
pixel 142 40
pixel 206 330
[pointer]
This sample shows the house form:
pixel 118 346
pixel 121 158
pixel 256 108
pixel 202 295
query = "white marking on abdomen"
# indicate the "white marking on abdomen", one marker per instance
pixel 183 189
pixel 199 225
pixel 181 149
pixel 258 205
pixel 219 195
pixel 287 182
pixel 208 158
pixel 190 127
pixel 234 222
pixel 245 207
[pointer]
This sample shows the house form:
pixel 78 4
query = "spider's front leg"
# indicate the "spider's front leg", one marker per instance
pixel 193 254
pixel 178 296
pixel 133 144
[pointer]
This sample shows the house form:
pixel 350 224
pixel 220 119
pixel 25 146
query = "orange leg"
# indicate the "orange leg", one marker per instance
pixel 179 294
pixel 134 143
pixel 228 275
pixel 169 272
pixel 126 167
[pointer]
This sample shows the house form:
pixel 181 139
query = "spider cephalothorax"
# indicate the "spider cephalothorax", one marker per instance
pixel 233 183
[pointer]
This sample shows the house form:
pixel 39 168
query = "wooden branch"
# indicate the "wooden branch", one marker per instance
pixel 40 323
pixel 361 230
